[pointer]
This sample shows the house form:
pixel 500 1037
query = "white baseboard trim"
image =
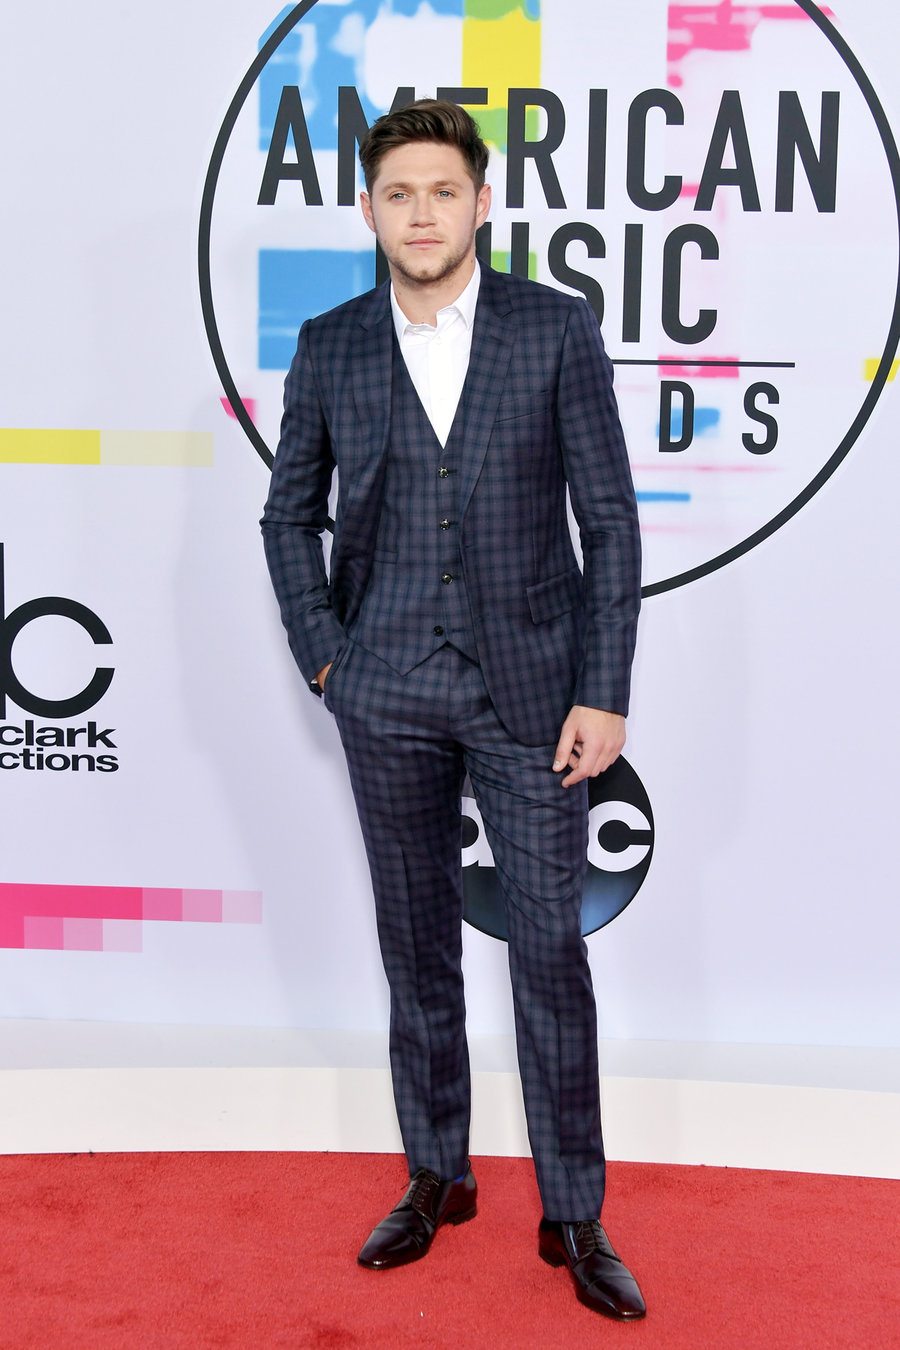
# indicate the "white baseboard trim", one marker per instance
pixel 755 1125
pixel 103 1087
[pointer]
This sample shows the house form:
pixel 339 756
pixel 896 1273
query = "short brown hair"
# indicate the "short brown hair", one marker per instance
pixel 428 119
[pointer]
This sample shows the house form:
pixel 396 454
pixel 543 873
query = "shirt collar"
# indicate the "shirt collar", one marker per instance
pixel 464 305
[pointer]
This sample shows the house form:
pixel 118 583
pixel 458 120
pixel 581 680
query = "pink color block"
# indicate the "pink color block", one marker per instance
pixel 720 27
pixel 77 902
pixel 122 935
pixel 162 904
pixel 248 403
pixel 201 906
pixel 100 902
pixel 242 906
pixel 11 929
pixel 675 367
pixel 705 468
pixel 44 932
pixel 83 935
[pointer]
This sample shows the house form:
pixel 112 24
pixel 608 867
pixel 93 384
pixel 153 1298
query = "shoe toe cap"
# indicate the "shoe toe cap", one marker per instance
pixel 614 1292
pixel 395 1241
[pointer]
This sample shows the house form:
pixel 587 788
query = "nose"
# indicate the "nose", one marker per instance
pixel 423 209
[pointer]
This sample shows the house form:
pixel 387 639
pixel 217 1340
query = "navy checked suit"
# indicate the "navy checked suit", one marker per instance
pixel 537 414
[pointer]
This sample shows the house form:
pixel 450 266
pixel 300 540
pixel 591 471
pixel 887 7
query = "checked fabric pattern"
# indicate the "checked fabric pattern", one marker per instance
pixel 416 712
pixel 409 741
pixel 539 414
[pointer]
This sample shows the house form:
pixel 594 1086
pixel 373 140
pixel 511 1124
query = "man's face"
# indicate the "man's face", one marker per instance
pixel 425 210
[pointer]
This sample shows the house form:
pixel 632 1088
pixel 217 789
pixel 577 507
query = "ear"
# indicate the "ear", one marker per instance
pixel 482 204
pixel 365 203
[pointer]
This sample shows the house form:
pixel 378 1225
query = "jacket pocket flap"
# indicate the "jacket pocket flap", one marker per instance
pixel 558 595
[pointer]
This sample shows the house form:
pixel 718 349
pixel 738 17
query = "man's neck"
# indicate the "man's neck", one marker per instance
pixel 420 302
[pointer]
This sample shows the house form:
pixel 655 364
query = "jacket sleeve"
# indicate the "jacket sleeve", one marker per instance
pixel 603 500
pixel 296 513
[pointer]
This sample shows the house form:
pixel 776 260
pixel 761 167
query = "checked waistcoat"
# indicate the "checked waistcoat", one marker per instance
pixel 416 597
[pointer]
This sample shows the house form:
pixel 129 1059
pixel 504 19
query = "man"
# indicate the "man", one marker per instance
pixel 456 633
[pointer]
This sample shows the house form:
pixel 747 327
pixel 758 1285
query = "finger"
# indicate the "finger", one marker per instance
pixel 592 760
pixel 565 748
pixel 592 763
pixel 581 766
pixel 576 775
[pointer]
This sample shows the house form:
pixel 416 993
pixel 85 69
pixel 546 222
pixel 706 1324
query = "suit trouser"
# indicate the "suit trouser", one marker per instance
pixel 409 741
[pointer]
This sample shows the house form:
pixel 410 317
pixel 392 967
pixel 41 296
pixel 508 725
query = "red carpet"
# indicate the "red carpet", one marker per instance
pixel 257 1250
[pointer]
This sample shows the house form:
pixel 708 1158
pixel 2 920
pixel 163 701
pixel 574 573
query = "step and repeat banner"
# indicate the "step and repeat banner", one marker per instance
pixel 720 182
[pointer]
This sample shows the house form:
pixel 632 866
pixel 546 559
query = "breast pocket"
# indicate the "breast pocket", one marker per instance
pixel 538 404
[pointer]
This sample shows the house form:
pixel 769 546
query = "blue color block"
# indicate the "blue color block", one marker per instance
pixel 705 421
pixel 663 496
pixel 309 57
pixel 297 284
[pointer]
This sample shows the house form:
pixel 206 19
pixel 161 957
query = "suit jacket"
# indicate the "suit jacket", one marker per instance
pixel 540 414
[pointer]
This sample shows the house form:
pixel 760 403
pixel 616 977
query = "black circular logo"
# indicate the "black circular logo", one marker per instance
pixel 11 626
pixel 620 848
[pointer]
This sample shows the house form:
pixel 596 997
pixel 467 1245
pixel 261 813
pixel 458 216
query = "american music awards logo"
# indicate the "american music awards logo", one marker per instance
pixel 718 180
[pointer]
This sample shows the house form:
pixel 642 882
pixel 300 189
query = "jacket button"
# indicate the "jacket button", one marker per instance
pixel 438 630
pixel 443 473
pixel 446 578
pixel 445 524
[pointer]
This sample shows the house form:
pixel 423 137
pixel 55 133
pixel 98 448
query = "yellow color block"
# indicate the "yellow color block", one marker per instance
pixel 31 445
pixel 501 54
pixel 870 368
pixel 157 448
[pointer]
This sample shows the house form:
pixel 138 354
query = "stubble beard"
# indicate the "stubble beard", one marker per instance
pixel 435 272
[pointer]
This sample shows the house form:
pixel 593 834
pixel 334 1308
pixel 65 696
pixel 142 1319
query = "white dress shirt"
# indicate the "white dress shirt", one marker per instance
pixel 438 358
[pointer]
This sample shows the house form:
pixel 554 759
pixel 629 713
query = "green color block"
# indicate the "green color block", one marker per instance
pixel 500 262
pixel 498 9
pixel 492 124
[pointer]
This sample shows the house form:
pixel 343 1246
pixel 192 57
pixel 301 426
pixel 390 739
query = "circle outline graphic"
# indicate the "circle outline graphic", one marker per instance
pixel 720 560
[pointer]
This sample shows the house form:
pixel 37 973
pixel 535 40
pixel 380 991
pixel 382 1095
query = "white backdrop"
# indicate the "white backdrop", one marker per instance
pixel 764 721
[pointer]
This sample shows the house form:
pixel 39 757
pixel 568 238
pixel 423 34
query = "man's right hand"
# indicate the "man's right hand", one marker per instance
pixel 323 676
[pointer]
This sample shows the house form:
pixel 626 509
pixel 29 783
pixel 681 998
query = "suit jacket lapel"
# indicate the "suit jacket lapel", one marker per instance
pixel 492 346
pixel 362 471
pixel 370 358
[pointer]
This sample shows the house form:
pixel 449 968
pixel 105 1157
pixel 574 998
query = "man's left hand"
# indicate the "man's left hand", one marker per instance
pixel 589 742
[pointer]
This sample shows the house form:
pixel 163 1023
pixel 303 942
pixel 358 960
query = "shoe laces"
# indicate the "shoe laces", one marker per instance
pixel 421 1191
pixel 589 1237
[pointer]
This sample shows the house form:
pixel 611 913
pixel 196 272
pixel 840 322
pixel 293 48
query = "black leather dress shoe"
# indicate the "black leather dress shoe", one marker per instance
pixel 406 1234
pixel 602 1281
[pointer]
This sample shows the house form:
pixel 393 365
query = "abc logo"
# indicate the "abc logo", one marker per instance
pixel 11 626
pixel 620 847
